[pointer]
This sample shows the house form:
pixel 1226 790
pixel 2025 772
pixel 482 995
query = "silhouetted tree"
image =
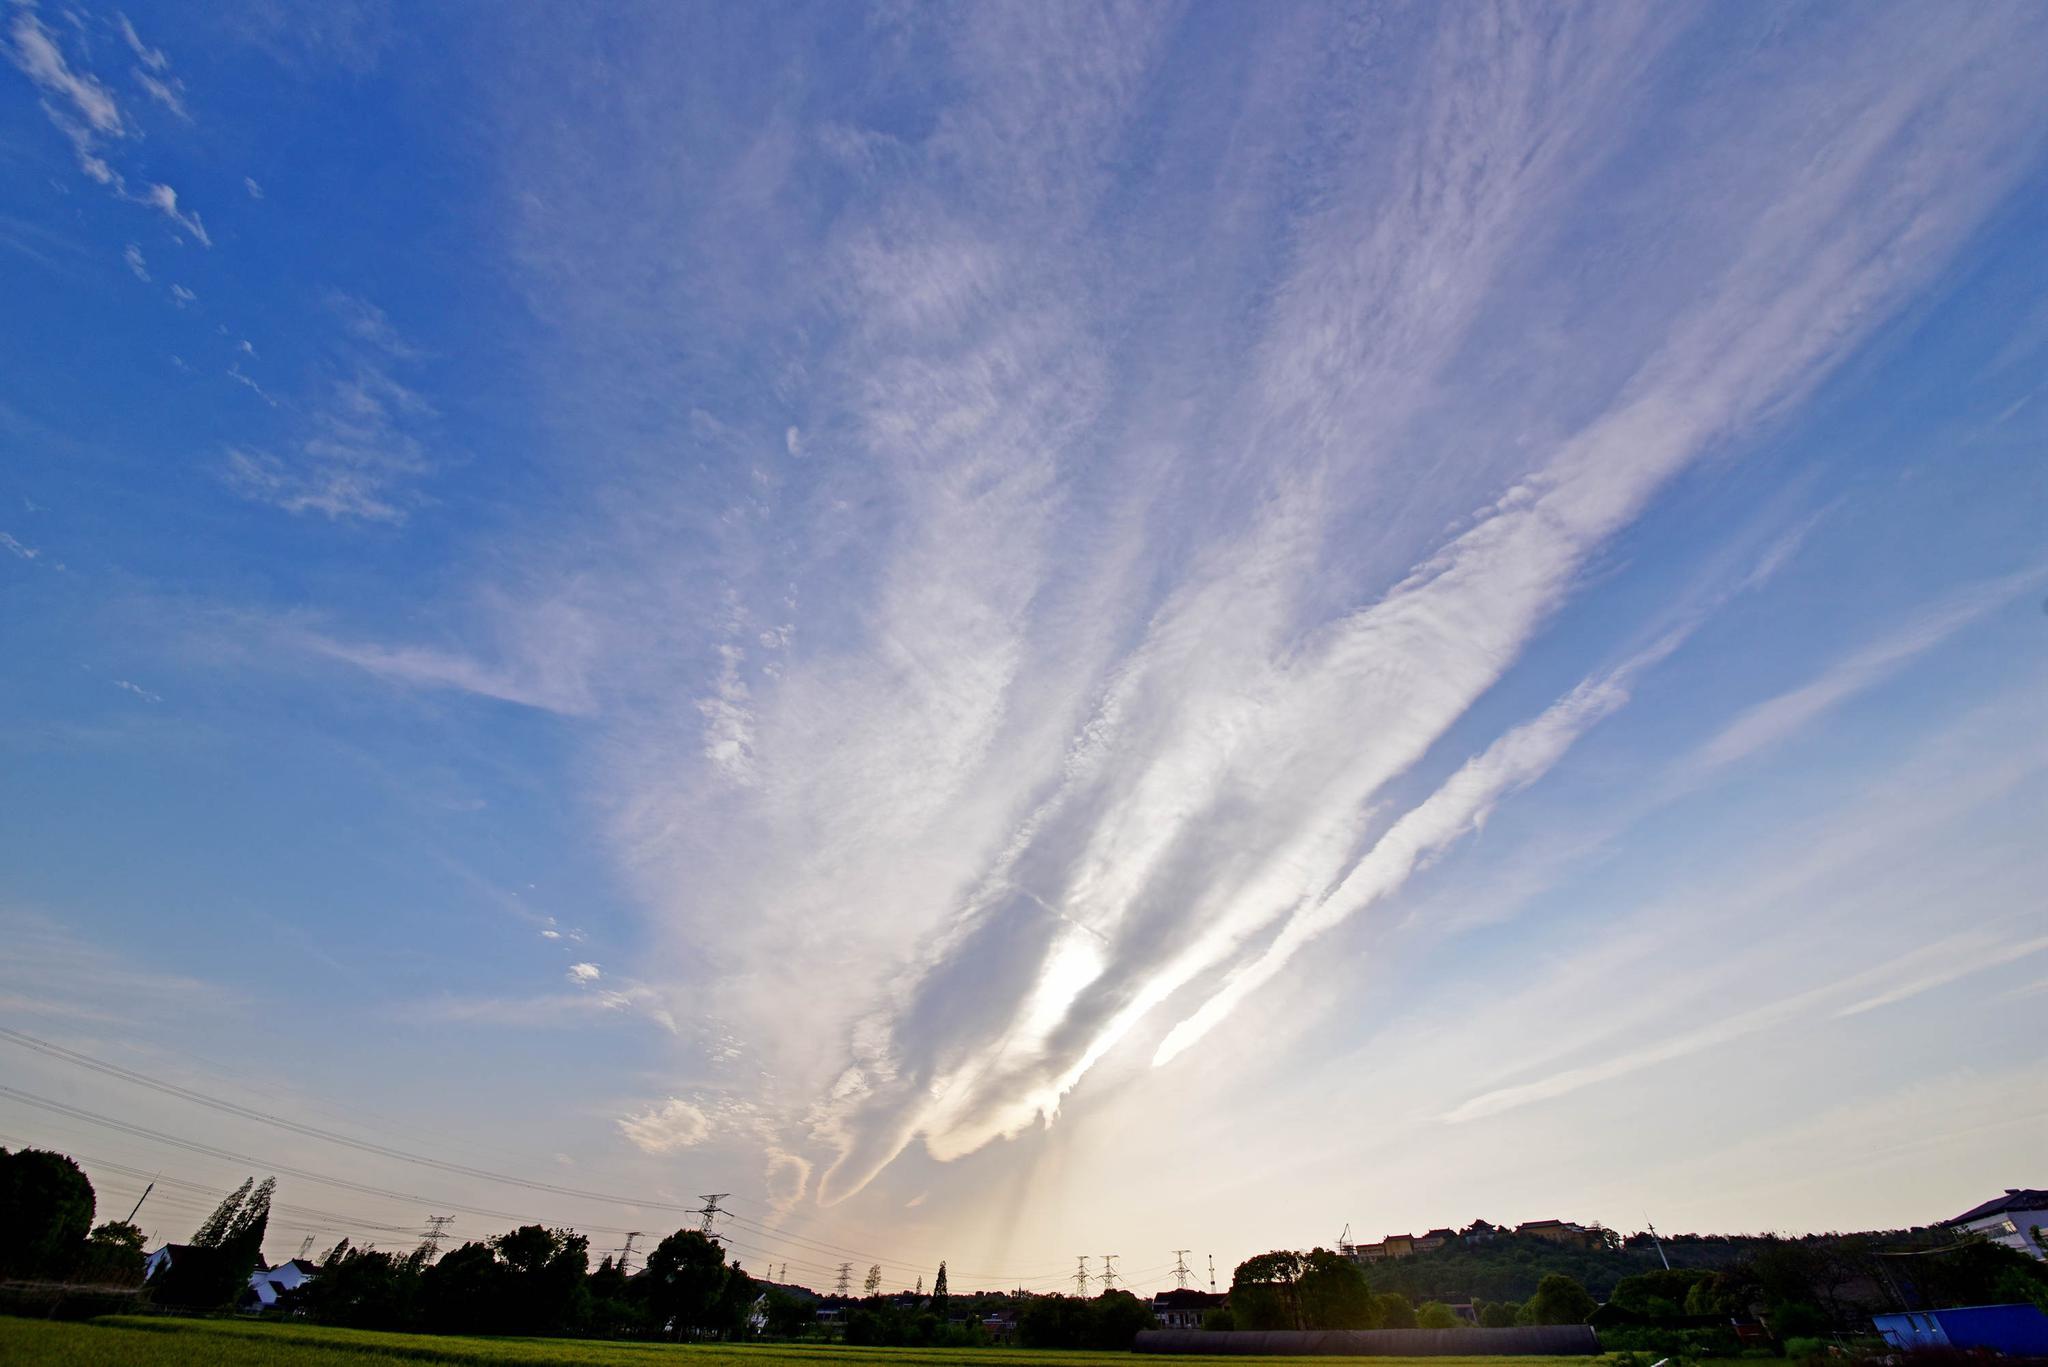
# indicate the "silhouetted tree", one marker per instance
pixel 46 1206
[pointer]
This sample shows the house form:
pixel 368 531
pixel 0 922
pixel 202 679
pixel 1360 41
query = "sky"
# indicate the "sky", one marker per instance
pixel 1014 632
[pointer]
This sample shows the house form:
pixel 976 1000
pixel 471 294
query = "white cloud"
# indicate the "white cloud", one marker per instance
pixel 360 449
pixel 255 190
pixel 138 690
pixel 170 94
pixel 17 548
pixel 133 256
pixel 1134 653
pixel 1775 720
pixel 668 1127
pixel 182 296
pixel 584 973
pixel 153 58
pixel 37 54
pixel 165 200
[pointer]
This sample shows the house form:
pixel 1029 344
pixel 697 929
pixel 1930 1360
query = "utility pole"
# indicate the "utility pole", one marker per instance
pixel 1081 1276
pixel 1180 1268
pixel 144 1197
pixel 845 1278
pixel 437 1225
pixel 783 1276
pixel 626 1253
pixel 710 1211
pixel 1212 1274
pixel 1657 1241
pixel 305 1245
pixel 1109 1271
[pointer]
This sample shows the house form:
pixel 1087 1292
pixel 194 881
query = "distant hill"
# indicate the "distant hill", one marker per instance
pixel 1508 1267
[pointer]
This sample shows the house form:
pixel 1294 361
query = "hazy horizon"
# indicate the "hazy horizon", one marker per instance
pixel 1022 630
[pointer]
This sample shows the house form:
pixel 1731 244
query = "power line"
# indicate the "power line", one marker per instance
pixel 227 1107
pixel 415 1198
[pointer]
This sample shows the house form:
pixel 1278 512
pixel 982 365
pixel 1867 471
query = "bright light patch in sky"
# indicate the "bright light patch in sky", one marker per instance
pixel 988 626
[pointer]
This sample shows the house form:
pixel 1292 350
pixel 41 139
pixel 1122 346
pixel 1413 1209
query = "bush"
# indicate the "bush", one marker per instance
pixel 1655 1343
pixel 1219 1320
pixel 1800 1349
pixel 1436 1315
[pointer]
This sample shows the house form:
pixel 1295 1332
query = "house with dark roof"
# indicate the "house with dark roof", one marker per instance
pixel 162 1259
pixel 1184 1307
pixel 2018 1219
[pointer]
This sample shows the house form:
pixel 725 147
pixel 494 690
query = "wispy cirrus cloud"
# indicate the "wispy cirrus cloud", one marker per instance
pixel 1118 624
pixel 81 107
pixel 359 447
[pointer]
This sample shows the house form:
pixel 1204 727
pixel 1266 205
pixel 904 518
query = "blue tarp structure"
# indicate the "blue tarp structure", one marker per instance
pixel 2015 1330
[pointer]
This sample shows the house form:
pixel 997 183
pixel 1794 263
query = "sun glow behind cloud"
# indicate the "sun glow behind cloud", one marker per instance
pixel 1048 709
pixel 1060 538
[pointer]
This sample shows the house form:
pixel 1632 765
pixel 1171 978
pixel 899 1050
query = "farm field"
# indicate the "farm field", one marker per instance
pixel 139 1341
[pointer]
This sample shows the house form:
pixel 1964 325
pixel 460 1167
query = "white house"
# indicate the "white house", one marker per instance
pixel 267 1284
pixel 2017 1219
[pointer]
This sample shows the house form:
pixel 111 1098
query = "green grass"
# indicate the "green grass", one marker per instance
pixel 146 1341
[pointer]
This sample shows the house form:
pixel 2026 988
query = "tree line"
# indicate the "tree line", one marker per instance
pixel 1325 1290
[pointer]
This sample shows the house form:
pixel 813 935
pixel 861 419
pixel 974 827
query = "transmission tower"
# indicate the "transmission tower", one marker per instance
pixel 1081 1276
pixel 1109 1271
pixel 1180 1267
pixel 430 1242
pixel 783 1276
pixel 845 1278
pixel 626 1253
pixel 710 1211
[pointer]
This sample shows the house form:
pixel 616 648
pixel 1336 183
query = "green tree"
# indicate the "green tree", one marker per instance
pixel 1659 1293
pixel 874 1279
pixel 688 1288
pixel 465 1292
pixel 1497 1314
pixel 1392 1310
pixel 1436 1315
pixel 1333 1294
pixel 543 1282
pixel 788 1316
pixel 46 1207
pixel 1262 1291
pixel 1117 1318
pixel 1559 1300
pixel 113 1255
pixel 1219 1320
pixel 363 1289
pixel 939 1292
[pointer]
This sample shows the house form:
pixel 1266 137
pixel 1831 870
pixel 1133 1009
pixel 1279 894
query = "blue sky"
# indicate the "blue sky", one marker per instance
pixel 1009 631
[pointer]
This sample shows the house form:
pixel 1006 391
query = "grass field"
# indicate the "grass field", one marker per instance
pixel 144 1341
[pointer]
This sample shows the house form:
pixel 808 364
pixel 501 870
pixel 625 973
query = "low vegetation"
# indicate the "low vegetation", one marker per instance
pixel 146 1342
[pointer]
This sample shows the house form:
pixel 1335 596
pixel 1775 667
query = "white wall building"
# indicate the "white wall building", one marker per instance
pixel 2018 1219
